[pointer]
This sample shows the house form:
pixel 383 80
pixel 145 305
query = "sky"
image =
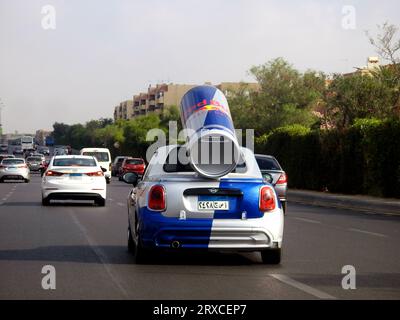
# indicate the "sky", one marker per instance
pixel 102 52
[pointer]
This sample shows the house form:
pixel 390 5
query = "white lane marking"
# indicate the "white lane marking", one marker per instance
pixel 307 220
pixel 110 199
pixel 301 286
pixel 101 255
pixel 368 232
pixel 121 204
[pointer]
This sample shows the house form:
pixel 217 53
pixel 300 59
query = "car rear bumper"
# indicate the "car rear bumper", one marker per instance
pixel 51 189
pixel 17 175
pixel 158 231
pixel 74 196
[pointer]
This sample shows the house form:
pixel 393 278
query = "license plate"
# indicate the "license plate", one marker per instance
pixel 213 205
pixel 75 176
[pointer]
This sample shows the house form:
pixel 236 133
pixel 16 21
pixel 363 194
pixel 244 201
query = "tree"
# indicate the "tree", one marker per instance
pixel 286 97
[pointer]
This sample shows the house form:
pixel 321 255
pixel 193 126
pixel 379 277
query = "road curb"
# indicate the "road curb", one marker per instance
pixel 358 203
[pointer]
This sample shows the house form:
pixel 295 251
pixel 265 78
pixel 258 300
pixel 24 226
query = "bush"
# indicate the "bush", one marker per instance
pixel 363 159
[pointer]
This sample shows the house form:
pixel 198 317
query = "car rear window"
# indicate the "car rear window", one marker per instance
pixel 11 161
pixel 174 164
pixel 34 159
pixel 100 156
pixel 134 161
pixel 74 162
pixel 266 163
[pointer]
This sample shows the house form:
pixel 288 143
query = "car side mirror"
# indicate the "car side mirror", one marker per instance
pixel 103 169
pixel 131 178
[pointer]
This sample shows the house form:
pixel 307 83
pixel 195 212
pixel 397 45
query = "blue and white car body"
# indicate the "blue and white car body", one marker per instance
pixel 186 221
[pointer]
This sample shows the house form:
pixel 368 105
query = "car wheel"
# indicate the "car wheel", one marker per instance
pixel 26 180
pixel 45 202
pixel 141 254
pixel 284 206
pixel 108 180
pixel 101 202
pixel 271 256
pixel 131 243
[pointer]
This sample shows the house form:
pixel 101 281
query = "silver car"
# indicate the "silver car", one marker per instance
pixel 172 207
pixel 14 169
pixel 273 173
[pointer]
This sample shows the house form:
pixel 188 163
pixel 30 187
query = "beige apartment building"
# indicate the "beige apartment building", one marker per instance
pixel 124 110
pixel 165 95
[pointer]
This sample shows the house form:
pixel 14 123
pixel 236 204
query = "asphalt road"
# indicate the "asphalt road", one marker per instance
pixel 87 247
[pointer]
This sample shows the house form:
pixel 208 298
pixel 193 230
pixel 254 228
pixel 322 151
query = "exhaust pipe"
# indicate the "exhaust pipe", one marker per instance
pixel 175 244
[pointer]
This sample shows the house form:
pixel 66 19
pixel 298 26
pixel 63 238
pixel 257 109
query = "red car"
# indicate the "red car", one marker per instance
pixel 136 165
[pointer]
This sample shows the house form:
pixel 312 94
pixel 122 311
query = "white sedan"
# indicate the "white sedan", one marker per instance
pixel 74 178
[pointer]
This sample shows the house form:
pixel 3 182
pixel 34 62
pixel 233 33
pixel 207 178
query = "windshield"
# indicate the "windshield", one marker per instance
pixel 134 161
pixel 100 156
pixel 34 159
pixel 11 161
pixel 26 140
pixel 266 163
pixel 74 162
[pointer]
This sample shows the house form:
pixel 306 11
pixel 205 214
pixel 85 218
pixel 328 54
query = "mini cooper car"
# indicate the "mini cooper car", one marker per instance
pixel 173 207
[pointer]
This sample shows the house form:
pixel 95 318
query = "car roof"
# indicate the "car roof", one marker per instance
pixel 95 149
pixel 258 155
pixel 73 157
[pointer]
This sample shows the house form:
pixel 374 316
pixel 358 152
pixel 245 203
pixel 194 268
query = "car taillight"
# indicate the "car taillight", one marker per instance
pixel 157 198
pixel 109 167
pixel 95 174
pixel 52 173
pixel 282 179
pixel 267 199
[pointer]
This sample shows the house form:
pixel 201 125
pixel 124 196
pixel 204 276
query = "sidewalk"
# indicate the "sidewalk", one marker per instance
pixel 353 202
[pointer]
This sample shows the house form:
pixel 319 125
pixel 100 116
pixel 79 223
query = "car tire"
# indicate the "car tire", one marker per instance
pixel 284 206
pixel 101 202
pixel 27 180
pixel 131 243
pixel 141 255
pixel 108 180
pixel 45 202
pixel 271 256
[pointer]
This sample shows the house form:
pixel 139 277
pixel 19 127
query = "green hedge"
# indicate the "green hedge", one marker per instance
pixel 364 159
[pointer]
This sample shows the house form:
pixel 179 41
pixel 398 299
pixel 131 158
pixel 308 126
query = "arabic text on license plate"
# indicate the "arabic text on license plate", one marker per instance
pixel 213 205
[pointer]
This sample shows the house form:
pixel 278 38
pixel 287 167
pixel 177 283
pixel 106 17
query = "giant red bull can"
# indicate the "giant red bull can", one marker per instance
pixel 212 146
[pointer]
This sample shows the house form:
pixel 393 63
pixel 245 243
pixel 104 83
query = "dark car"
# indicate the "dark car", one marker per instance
pixel 3 147
pixel 6 156
pixel 273 173
pixel 35 163
pixel 18 151
pixel 43 150
pixel 117 164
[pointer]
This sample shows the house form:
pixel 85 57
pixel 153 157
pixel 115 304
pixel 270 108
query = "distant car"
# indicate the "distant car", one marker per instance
pixel 14 169
pixel 43 150
pixel 136 165
pixel 18 151
pixel 5 156
pixel 103 156
pixel 40 155
pixel 29 152
pixel 74 177
pixel 272 170
pixel 3 147
pixel 117 164
pixel 59 151
pixel 35 163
